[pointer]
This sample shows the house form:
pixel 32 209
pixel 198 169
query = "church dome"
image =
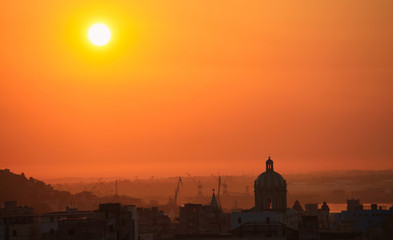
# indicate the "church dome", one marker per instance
pixel 270 179
pixel 270 190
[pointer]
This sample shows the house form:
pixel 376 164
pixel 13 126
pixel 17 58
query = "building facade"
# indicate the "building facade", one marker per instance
pixel 18 222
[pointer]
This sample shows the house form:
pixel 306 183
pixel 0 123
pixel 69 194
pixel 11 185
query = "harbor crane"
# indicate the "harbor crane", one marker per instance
pixel 173 201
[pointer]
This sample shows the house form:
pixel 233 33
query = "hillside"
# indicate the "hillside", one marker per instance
pixel 31 192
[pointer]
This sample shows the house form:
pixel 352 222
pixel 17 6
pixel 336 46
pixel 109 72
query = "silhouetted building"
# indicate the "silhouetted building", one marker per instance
pixel 110 222
pixel 322 214
pixel 49 224
pixel 120 221
pixel 270 203
pixel 298 208
pixel 270 190
pixel 153 224
pixel 323 217
pixel 82 229
pixel 383 230
pixel 18 223
pixel 311 209
pixel 308 228
pixel 361 220
pixel 198 218
pixel 354 204
pixel 265 230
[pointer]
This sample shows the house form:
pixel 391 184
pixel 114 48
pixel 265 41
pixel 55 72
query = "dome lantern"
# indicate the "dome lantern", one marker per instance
pixel 269 165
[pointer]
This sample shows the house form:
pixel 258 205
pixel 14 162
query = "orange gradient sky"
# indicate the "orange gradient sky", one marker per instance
pixel 195 86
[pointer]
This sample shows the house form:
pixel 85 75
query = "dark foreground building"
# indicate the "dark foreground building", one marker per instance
pixel 203 219
pixel 18 223
pixel 110 222
pixel 153 224
pixel 82 229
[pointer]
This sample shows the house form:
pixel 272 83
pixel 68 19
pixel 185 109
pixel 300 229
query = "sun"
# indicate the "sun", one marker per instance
pixel 99 34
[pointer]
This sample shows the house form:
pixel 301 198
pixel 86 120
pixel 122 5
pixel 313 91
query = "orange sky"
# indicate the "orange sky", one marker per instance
pixel 195 86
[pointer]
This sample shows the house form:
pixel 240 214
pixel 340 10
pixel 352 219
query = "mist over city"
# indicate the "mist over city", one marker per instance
pixel 196 120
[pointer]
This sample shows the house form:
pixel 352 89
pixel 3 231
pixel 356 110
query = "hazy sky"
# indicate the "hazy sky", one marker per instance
pixel 195 86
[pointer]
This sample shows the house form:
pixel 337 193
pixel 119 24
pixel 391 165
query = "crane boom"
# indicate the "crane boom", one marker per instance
pixel 177 189
pixel 91 190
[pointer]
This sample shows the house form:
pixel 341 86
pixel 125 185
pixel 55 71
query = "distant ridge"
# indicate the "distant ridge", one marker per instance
pixel 44 198
pixel 32 192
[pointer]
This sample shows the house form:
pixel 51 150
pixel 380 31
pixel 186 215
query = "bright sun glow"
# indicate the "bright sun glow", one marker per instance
pixel 99 34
